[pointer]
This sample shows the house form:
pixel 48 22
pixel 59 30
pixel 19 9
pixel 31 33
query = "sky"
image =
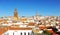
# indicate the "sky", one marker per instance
pixel 29 7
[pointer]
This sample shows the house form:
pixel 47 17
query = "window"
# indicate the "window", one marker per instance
pixel 24 33
pixel 13 33
pixel 21 33
pixel 28 33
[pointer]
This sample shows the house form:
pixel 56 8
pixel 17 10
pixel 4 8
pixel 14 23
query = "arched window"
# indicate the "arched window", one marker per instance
pixel 24 33
pixel 28 33
pixel 13 33
pixel 21 33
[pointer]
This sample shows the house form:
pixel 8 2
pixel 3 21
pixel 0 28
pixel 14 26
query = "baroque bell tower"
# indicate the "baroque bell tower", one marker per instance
pixel 15 14
pixel 36 13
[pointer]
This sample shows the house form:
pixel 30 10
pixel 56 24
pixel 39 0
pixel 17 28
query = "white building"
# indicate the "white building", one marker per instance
pixel 20 31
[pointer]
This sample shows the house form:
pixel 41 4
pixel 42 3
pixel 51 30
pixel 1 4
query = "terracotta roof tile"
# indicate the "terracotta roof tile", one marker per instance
pixel 19 28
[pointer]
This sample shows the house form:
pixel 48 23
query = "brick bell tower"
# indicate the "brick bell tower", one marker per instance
pixel 15 14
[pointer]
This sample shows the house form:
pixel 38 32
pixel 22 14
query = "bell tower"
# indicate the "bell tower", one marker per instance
pixel 36 13
pixel 15 13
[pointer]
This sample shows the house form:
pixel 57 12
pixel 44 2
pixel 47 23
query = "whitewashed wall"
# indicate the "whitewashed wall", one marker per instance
pixel 18 32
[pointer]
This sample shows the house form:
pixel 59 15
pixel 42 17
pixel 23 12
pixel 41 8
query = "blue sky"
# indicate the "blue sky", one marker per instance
pixel 29 7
